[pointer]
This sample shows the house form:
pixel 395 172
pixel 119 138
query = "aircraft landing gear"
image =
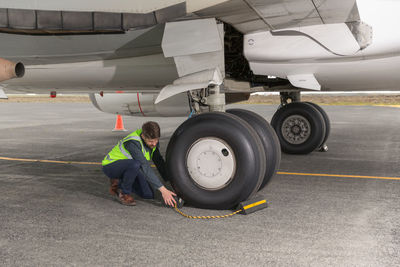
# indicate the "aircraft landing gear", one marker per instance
pixel 302 127
pixel 217 159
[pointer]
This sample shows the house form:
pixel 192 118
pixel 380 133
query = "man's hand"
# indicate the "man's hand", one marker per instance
pixel 168 196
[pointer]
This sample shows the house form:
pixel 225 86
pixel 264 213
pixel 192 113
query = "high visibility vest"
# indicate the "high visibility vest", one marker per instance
pixel 119 152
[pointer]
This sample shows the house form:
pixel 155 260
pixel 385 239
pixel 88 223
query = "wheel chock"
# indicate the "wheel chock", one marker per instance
pixel 252 205
pixel 245 207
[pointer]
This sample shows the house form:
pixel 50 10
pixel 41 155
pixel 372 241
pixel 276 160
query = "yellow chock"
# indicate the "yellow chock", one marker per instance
pixel 252 205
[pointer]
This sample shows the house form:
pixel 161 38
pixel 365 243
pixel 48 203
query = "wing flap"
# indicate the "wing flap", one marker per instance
pixel 245 15
pixel 253 15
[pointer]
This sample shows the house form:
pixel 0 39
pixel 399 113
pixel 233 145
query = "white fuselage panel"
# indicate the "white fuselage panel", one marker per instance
pixel 336 64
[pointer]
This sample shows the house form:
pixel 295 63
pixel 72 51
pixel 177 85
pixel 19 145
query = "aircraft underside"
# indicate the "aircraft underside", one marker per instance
pixel 218 157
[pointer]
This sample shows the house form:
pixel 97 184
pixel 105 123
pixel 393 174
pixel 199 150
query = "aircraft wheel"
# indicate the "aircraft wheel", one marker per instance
pixel 215 160
pixel 268 138
pixel 300 128
pixel 327 124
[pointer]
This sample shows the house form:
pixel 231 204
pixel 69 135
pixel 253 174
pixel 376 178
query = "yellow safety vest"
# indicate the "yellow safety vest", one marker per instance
pixel 119 151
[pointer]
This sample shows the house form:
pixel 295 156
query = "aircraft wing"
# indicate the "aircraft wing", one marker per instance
pixel 245 15
pixel 253 15
pixel 150 43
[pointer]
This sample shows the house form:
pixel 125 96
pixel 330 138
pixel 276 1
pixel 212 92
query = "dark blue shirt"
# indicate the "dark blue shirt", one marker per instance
pixel 135 149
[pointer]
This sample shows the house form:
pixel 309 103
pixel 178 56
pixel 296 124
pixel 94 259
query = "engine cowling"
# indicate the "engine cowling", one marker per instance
pixel 141 104
pixel 9 70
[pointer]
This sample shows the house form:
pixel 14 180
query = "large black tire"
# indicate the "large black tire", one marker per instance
pixel 238 137
pixel 326 119
pixel 268 138
pixel 300 128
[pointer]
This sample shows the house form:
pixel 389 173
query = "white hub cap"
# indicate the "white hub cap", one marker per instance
pixel 211 163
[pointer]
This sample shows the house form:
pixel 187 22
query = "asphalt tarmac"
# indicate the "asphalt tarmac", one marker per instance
pixel 55 214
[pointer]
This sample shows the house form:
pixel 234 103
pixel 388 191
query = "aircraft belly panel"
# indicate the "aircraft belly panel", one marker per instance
pixel 356 75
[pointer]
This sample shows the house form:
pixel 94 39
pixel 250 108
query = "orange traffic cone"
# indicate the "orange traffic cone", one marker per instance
pixel 119 125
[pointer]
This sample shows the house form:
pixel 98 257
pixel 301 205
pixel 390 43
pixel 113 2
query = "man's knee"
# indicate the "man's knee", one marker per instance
pixel 135 164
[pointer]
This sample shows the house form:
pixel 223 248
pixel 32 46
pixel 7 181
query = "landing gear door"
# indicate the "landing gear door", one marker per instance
pixel 195 45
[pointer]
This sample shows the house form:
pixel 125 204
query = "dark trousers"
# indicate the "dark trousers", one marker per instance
pixel 131 178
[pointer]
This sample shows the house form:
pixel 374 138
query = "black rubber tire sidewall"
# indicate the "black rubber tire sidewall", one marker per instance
pixel 241 138
pixel 326 119
pixel 269 139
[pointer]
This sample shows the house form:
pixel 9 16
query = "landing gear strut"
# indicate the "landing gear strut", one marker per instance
pixel 207 99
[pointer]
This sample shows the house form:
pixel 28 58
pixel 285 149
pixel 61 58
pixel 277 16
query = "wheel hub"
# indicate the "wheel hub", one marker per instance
pixel 296 129
pixel 211 163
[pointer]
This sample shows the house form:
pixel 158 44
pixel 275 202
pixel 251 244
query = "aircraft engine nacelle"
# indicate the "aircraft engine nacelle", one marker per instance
pixel 9 70
pixel 141 104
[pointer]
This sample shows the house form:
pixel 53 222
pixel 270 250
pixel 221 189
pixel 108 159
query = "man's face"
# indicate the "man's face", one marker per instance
pixel 151 143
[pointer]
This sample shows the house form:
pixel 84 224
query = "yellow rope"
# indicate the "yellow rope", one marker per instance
pixel 206 217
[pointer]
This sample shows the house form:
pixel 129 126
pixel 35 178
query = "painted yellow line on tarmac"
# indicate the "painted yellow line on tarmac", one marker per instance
pixel 340 175
pixel 281 173
pixel 390 106
pixel 51 161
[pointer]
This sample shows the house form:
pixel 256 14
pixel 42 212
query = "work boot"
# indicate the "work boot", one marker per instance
pixel 126 199
pixel 114 187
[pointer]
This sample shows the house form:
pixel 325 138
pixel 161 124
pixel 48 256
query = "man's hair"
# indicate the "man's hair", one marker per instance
pixel 151 130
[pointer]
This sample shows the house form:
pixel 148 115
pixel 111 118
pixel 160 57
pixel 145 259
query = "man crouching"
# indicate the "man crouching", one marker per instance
pixel 128 166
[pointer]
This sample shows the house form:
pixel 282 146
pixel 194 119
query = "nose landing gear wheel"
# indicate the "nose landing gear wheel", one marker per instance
pixel 300 128
pixel 268 138
pixel 215 160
